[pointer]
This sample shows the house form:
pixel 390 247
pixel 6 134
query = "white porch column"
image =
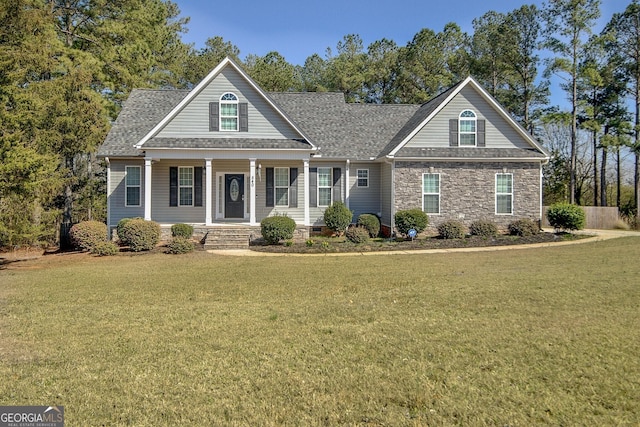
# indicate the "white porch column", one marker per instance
pixel 147 188
pixel 307 222
pixel 208 196
pixel 252 191
pixel 346 183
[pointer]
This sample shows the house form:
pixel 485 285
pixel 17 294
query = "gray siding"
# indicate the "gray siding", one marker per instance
pixel 193 120
pixel 262 210
pixel 160 210
pixel 118 210
pixel 316 214
pixel 364 199
pixel 499 132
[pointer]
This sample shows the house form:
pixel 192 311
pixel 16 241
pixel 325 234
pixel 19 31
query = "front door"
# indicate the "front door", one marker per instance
pixel 234 195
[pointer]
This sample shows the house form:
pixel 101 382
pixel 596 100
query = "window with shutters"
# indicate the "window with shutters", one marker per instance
pixel 132 185
pixel 467 129
pixel 325 184
pixel 281 186
pixel 185 185
pixel 229 112
pixel 504 194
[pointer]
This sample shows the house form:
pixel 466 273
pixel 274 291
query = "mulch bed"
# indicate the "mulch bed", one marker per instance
pixel 340 244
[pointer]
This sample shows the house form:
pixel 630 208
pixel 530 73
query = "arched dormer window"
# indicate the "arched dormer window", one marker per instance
pixel 229 112
pixel 467 129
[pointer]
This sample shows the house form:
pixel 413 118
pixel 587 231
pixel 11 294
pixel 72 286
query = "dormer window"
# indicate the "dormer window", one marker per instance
pixel 467 128
pixel 229 112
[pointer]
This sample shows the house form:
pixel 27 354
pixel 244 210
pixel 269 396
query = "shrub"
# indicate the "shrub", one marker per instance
pixel 105 248
pixel 357 234
pixel 182 230
pixel 411 218
pixel 371 223
pixel 87 234
pixel 564 216
pixel 337 217
pixel 524 227
pixel 452 230
pixel 483 228
pixel 276 228
pixel 180 245
pixel 120 227
pixel 140 235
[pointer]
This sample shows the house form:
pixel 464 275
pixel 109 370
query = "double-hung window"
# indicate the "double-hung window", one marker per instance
pixel 229 112
pixel 325 182
pixel 467 128
pixel 431 193
pixel 504 193
pixel 363 177
pixel 132 185
pixel 281 185
pixel 185 185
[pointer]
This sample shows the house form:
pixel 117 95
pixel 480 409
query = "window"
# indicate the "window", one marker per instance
pixel 504 193
pixel 324 186
pixel 229 112
pixel 431 193
pixel 363 177
pixel 467 128
pixel 185 185
pixel 132 184
pixel 281 184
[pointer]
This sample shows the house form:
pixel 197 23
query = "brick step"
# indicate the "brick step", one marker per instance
pixel 228 238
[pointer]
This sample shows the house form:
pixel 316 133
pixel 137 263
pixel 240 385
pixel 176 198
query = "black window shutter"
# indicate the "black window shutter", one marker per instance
pixel 173 186
pixel 337 195
pixel 481 133
pixel 270 188
pixel 313 187
pixel 244 116
pixel 214 117
pixel 453 132
pixel 197 186
pixel 293 187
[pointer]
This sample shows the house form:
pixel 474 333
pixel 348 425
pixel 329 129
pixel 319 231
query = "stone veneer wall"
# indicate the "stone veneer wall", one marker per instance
pixel 467 190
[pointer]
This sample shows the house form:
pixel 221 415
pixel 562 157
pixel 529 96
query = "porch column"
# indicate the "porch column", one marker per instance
pixel 252 191
pixel 346 183
pixel 208 196
pixel 306 192
pixel 147 188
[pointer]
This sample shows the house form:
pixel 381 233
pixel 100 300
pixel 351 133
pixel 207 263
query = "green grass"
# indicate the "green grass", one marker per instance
pixel 521 338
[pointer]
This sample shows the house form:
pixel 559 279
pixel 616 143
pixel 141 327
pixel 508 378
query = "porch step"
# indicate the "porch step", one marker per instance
pixel 221 238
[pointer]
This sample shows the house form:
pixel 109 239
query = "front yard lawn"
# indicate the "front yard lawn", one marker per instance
pixel 545 336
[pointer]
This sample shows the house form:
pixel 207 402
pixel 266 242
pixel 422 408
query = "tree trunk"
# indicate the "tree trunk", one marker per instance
pixel 618 178
pixel 595 168
pixel 603 177
pixel 67 211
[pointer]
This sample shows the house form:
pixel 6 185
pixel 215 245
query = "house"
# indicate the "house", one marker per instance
pixel 227 152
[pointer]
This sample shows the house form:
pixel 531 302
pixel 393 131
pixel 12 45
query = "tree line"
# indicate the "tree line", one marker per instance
pixel 66 67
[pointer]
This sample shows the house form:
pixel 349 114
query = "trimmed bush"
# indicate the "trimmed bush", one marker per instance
pixel 120 227
pixel 180 245
pixel 411 218
pixel 276 228
pixel 337 217
pixel 357 234
pixel 371 223
pixel 483 228
pixel 524 227
pixel 86 235
pixel 564 216
pixel 140 235
pixel 105 248
pixel 452 230
pixel 182 230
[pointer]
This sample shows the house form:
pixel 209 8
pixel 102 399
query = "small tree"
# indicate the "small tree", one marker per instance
pixel 337 217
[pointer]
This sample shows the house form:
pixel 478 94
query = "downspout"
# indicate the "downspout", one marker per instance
pixel 544 162
pixel 392 213
pixel 346 183
pixel 106 159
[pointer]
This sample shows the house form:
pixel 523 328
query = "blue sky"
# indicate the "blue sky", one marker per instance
pixel 297 29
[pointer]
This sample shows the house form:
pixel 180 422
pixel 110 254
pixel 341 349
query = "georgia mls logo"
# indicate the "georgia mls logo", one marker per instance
pixel 31 416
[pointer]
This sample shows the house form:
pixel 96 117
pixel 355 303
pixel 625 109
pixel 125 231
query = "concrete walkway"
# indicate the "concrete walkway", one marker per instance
pixel 598 235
